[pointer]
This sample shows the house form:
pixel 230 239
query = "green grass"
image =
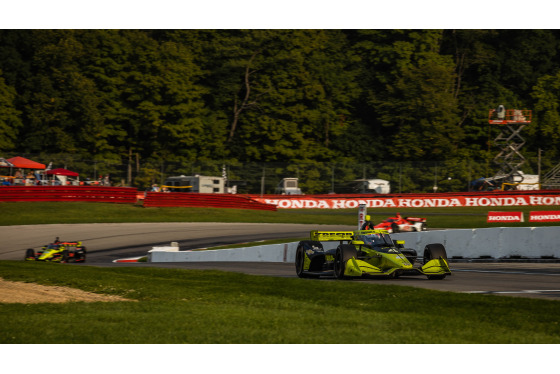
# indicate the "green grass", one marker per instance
pixel 69 212
pixel 72 212
pixel 188 306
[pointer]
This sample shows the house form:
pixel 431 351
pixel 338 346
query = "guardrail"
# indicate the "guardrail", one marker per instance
pixel 124 195
pixel 206 200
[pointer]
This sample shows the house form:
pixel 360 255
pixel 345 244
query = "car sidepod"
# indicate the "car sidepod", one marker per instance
pixel 383 264
pixel 367 262
pixel 54 255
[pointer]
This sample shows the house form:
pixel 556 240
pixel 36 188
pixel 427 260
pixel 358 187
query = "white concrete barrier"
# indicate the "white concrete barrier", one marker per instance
pixel 261 253
pixel 499 242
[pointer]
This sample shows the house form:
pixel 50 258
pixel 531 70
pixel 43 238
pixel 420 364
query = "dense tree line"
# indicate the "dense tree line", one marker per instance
pixel 297 97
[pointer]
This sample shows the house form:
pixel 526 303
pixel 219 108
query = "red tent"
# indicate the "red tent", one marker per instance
pixel 23 163
pixel 61 171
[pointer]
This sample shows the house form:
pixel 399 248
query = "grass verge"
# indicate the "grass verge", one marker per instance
pixel 188 306
pixel 33 213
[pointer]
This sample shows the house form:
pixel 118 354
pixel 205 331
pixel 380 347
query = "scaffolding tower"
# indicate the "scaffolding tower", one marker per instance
pixel 510 141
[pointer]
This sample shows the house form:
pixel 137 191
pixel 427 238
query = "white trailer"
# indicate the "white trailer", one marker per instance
pixel 195 183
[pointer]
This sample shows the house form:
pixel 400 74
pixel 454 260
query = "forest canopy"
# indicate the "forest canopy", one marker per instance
pixel 239 97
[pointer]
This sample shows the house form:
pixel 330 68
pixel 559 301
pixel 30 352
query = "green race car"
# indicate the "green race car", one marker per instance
pixel 366 253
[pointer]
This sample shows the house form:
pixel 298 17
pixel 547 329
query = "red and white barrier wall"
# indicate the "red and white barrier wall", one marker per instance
pixel 99 194
pixel 441 200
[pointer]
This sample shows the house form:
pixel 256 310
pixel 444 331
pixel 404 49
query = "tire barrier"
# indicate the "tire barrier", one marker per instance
pixel 124 195
pixel 205 200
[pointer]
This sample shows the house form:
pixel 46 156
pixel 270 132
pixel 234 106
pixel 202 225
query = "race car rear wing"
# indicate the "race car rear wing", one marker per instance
pixel 325 236
pixel 415 219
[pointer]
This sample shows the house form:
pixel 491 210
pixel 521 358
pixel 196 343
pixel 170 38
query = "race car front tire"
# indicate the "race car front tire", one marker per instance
pixel 80 255
pixel 431 252
pixel 344 252
pixel 30 254
pixel 395 228
pixel 436 277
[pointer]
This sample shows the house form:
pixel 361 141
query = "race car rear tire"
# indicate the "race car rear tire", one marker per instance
pixel 303 246
pixel 64 257
pixel 395 228
pixel 30 254
pixel 300 257
pixel 344 252
pixel 433 251
pixel 81 255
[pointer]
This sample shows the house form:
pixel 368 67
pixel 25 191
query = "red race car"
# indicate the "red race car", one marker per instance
pixel 401 224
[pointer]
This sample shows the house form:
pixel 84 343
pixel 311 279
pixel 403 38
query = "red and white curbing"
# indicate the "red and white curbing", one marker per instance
pixel 174 247
pixel 131 259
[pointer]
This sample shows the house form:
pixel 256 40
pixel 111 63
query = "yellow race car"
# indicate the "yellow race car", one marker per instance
pixel 58 251
pixel 366 253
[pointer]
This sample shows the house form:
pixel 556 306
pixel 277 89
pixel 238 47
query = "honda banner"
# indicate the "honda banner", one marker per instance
pixel 545 216
pixel 505 217
pixel 438 201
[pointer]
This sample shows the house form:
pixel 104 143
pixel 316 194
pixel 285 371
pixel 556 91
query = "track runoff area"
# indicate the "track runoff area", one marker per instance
pixel 107 242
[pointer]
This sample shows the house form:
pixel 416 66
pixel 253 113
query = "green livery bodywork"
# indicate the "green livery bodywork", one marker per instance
pixel 366 253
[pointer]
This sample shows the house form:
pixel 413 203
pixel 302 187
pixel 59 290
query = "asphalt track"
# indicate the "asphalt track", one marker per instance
pixel 108 242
